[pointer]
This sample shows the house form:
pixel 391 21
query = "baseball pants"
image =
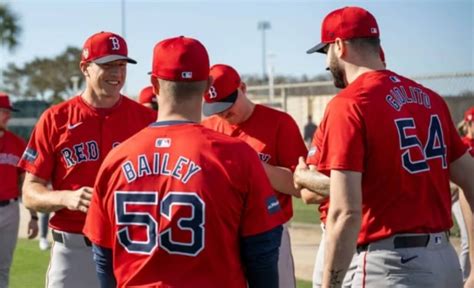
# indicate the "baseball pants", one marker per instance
pixel 464 255
pixel 408 260
pixel 319 265
pixel 71 264
pixel 9 222
pixel 286 267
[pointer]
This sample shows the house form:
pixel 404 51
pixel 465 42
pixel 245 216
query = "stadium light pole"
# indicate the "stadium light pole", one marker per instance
pixel 124 36
pixel 263 26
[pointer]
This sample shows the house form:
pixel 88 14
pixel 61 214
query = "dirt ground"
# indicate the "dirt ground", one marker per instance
pixel 305 239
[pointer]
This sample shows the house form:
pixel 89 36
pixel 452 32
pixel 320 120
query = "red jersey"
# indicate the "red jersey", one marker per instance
pixel 173 202
pixel 274 135
pixel 11 149
pixel 469 143
pixel 402 139
pixel 70 141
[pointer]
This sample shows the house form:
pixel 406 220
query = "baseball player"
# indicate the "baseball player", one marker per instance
pixel 176 205
pixel 273 134
pixel 11 148
pixel 315 190
pixel 67 147
pixel 397 211
pixel 148 98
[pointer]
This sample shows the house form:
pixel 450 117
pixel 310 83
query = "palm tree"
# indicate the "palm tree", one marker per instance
pixel 9 28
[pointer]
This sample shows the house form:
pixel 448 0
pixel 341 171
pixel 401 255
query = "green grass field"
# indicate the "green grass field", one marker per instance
pixel 303 213
pixel 30 265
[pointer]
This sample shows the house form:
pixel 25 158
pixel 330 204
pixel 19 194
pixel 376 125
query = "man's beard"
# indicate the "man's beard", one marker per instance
pixel 337 73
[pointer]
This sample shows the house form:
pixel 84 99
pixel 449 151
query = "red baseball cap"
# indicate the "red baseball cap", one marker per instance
pixel 224 90
pixel 104 47
pixel 5 102
pixel 147 95
pixel 180 59
pixel 346 23
pixel 469 114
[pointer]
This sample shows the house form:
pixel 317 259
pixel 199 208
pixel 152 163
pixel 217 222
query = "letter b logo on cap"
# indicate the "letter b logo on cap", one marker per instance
pixel 212 92
pixel 115 43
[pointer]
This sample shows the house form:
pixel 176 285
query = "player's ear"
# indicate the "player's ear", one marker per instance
pixel 243 87
pixel 83 66
pixel 340 47
pixel 156 85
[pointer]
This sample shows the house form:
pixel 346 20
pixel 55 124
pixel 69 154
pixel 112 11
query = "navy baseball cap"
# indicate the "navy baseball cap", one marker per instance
pixel 224 90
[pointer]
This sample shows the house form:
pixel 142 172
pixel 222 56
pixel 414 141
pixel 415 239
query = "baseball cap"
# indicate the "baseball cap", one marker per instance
pixel 469 114
pixel 5 102
pixel 104 47
pixel 180 59
pixel 346 23
pixel 147 95
pixel 224 90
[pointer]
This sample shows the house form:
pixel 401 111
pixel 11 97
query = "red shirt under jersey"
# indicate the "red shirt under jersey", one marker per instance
pixel 173 202
pixel 11 149
pixel 402 139
pixel 70 141
pixel 470 143
pixel 274 135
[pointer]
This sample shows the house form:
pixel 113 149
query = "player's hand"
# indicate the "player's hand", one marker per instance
pixel 300 168
pixel 78 200
pixel 469 282
pixel 32 229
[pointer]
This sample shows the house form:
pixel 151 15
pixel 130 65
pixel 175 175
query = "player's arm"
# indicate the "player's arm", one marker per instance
pixel 307 177
pixel 104 266
pixel 281 179
pixel 461 171
pixel 343 225
pixel 310 197
pixel 37 196
pixel 260 257
pixel 33 223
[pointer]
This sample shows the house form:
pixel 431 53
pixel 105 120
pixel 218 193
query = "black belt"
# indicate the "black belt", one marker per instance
pixel 59 237
pixel 403 242
pixel 7 202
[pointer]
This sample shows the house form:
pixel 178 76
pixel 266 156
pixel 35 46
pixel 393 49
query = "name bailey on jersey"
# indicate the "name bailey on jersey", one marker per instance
pixel 182 170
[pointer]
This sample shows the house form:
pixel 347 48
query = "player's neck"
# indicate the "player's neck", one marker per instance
pixel 249 107
pixel 357 67
pixel 99 101
pixel 187 112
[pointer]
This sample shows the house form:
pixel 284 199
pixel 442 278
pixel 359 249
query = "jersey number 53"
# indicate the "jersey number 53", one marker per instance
pixel 434 148
pixel 194 223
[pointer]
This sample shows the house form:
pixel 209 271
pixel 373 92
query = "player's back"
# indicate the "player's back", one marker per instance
pixel 181 197
pixel 409 141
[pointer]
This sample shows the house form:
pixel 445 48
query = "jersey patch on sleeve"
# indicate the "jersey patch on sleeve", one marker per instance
pixel 273 205
pixel 30 154
pixel 312 151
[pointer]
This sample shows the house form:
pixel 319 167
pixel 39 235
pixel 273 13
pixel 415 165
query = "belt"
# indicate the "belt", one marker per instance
pixel 7 202
pixel 59 237
pixel 403 242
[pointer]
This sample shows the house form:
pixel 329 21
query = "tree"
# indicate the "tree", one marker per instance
pixel 45 78
pixel 10 29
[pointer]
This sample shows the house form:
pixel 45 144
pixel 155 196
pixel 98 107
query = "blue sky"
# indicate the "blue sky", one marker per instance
pixel 419 37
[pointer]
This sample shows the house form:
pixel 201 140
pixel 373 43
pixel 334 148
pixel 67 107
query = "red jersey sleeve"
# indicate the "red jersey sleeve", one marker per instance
pixel 262 210
pixel 290 143
pixel 342 146
pixel 38 158
pixel 98 226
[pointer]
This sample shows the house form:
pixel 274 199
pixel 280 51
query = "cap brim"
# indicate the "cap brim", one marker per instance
pixel 318 48
pixel 211 108
pixel 110 58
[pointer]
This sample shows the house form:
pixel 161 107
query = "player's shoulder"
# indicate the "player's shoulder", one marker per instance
pixel 136 107
pixel 223 141
pixel 15 138
pixel 55 113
